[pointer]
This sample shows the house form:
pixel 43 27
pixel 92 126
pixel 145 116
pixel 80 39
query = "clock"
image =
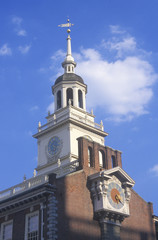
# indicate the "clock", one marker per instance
pixel 54 146
pixel 115 195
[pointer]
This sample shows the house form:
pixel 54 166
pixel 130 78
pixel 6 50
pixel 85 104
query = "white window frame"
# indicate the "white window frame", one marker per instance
pixel 101 159
pixel 2 228
pixel 26 223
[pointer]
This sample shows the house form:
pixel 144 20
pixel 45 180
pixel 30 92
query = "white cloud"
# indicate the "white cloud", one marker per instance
pixel 115 29
pixel 21 32
pixel 121 87
pixel 42 69
pixel 5 50
pixel 154 170
pixel 34 108
pixel 58 55
pixel 50 108
pixel 24 49
pixel 126 45
pixel 17 21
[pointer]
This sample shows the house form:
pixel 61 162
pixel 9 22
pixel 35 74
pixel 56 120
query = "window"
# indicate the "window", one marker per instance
pixel 32 226
pixel 101 159
pixel 113 159
pixel 80 99
pixel 90 162
pixel 7 229
pixel 58 99
pixel 69 68
pixel 69 96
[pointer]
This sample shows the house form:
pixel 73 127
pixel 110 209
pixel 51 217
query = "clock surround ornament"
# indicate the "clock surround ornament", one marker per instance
pixel 53 148
pixel 110 192
pixel 115 195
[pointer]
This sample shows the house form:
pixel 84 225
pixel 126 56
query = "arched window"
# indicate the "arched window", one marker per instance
pixel 80 99
pixel 90 161
pixel 113 159
pixel 69 96
pixel 58 99
pixel 101 159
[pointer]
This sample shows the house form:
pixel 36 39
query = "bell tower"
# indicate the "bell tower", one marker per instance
pixel 69 88
pixel 58 138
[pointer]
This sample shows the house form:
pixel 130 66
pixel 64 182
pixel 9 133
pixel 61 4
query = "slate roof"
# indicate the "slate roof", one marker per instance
pixel 69 77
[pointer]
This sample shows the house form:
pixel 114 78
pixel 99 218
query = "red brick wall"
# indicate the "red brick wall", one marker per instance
pixel 108 152
pixel 75 215
pixel 75 209
pixel 140 225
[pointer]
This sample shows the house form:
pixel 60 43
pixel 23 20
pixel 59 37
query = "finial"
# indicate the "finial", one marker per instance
pixel 68 25
pixel 69 63
pixel 101 125
pixel 24 177
pixel 39 126
pixel 34 173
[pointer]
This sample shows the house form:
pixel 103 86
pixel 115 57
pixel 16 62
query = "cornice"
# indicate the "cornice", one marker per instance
pixel 75 122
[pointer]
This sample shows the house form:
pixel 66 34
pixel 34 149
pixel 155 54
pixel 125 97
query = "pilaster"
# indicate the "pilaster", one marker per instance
pixel 84 100
pixel 52 218
pixel 63 94
pixel 75 96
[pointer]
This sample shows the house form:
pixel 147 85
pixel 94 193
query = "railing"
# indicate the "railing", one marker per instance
pixel 67 168
pixel 72 115
pixel 53 122
pixel 24 186
pixel 62 170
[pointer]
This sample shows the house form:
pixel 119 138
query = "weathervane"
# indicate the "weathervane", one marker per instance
pixel 68 25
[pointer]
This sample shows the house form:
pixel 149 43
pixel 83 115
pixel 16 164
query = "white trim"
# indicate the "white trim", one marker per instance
pixel 2 227
pixel 26 222
pixel 126 179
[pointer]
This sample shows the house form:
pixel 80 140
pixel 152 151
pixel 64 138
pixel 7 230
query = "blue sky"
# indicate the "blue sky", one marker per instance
pixel 115 46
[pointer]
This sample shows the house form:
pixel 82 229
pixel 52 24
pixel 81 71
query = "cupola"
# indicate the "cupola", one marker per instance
pixel 69 88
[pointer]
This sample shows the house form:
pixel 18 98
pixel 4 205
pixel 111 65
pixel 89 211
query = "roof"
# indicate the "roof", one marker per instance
pixel 69 77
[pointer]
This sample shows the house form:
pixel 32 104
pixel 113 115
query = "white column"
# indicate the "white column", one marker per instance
pixel 84 100
pixel 68 46
pixel 75 96
pixel 55 101
pixel 63 94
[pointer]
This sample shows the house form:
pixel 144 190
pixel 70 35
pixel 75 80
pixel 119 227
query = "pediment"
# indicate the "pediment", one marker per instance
pixel 118 172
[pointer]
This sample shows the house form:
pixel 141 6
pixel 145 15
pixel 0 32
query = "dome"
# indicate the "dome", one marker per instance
pixel 69 77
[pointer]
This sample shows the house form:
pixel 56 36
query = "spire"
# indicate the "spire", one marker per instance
pixel 69 63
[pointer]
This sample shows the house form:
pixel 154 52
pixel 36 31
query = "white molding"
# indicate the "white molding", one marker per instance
pixel 26 222
pixel 2 227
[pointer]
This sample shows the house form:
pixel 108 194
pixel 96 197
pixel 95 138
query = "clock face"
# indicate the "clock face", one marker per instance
pixel 115 195
pixel 54 146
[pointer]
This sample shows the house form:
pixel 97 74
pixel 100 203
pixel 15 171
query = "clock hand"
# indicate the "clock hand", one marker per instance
pixel 118 199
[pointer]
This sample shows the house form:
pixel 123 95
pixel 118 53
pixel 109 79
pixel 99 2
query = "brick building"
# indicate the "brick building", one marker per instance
pixel 80 190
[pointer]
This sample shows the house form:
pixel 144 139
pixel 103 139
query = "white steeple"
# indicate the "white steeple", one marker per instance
pixel 58 139
pixel 69 63
pixel 69 88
